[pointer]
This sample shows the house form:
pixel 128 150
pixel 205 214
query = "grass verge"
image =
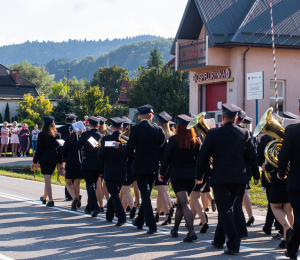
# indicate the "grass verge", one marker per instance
pixel 257 195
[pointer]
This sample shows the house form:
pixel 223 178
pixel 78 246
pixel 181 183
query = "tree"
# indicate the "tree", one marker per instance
pixel 163 88
pixel 76 85
pixel 29 123
pixel 155 59
pixel 1 119
pixel 64 106
pixel 34 109
pixel 118 111
pixel 93 102
pixel 6 113
pixel 58 88
pixel 110 78
pixel 36 74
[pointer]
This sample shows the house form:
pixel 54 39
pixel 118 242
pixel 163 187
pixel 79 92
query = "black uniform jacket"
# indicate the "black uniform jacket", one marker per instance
pixel 47 150
pixel 64 131
pixel 114 161
pixel 231 148
pixel 71 155
pixel 290 151
pixel 149 142
pixel 182 162
pixel 90 160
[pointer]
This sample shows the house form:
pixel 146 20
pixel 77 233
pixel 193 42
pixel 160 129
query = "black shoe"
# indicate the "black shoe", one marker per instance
pixel 174 233
pixel 108 220
pixel 218 246
pixel 267 231
pixel 101 209
pixel 243 237
pixel 204 228
pixel 291 257
pixel 250 221
pixel 87 211
pixel 128 209
pixel 171 211
pixel 136 225
pixel 42 200
pixel 231 251
pixel 74 204
pixel 132 212
pixel 79 201
pixel 190 237
pixel 94 213
pixel 120 223
pixel 282 244
pixel 278 236
pixel 50 204
pixel 167 221
pixel 157 217
pixel 150 232
pixel 289 235
pixel 207 210
pixel 213 205
pixel 162 213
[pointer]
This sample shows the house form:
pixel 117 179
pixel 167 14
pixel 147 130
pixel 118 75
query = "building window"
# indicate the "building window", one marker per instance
pixel 280 92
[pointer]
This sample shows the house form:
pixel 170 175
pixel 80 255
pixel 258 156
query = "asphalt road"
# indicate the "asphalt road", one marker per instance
pixel 15 161
pixel 29 230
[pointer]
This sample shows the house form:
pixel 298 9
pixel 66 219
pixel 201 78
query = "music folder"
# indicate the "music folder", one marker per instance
pixel 109 144
pixel 93 142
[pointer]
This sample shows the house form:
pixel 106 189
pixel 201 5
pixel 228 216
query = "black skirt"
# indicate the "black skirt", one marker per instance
pixel 158 183
pixel 47 168
pixel 183 185
pixel 278 194
pixel 73 174
pixel 128 181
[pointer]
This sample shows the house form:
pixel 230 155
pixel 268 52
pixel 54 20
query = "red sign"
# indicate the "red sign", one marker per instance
pixel 221 74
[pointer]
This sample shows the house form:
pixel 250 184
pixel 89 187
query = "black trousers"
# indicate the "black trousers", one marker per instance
pixel 294 197
pixel 225 197
pixel 270 216
pixel 238 213
pixel 114 204
pixel 91 177
pixel 145 184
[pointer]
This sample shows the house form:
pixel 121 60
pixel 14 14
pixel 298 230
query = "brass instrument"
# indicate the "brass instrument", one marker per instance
pixel 272 127
pixel 199 124
pixel 120 136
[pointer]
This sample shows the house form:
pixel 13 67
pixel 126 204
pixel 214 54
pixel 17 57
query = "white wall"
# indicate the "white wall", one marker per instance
pixel 12 108
pixel 194 95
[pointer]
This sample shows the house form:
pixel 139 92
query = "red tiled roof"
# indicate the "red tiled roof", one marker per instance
pixel 125 87
pixel 170 63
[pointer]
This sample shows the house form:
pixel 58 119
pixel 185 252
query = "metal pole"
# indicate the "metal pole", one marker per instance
pixel 274 61
pixel 68 73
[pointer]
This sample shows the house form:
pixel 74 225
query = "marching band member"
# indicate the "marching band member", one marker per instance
pixel 48 154
pixel 180 157
pixel 91 166
pixel 162 199
pixel 230 146
pixel 148 141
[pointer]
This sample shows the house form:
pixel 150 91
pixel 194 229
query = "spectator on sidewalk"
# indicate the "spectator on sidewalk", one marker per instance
pixel 24 140
pixel 4 138
pixel 34 134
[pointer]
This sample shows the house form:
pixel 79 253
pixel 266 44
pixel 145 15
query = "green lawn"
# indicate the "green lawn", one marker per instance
pixel 258 197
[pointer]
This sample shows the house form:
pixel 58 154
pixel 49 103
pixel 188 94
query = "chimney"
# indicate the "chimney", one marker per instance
pixel 15 75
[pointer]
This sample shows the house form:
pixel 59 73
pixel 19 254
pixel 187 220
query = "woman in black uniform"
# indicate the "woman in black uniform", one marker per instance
pixel 48 154
pixel 73 173
pixel 180 157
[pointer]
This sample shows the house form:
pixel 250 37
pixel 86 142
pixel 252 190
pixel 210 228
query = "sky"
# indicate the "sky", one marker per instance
pixel 60 20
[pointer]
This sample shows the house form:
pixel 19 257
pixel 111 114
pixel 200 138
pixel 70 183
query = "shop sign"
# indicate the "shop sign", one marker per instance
pixel 220 74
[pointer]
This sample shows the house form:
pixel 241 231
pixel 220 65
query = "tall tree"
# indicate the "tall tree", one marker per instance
pixel 34 108
pixel 1 118
pixel 36 74
pixel 155 59
pixel 58 88
pixel 93 102
pixel 163 88
pixel 110 78
pixel 6 113
pixel 64 106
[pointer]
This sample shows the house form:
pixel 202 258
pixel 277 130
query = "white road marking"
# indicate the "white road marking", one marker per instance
pixel 4 257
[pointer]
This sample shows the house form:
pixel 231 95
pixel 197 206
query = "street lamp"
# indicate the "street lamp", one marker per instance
pixel 68 73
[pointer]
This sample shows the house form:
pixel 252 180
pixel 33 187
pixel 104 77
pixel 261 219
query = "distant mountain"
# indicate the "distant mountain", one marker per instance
pixel 127 56
pixel 42 52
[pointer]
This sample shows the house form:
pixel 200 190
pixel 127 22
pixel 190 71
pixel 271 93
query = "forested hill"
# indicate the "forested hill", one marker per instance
pixel 129 56
pixel 42 52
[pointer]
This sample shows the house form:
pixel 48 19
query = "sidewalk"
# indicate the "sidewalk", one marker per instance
pixel 16 161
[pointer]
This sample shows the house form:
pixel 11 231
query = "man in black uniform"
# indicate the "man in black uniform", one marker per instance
pixel 148 141
pixel 231 148
pixel 115 169
pixel 65 132
pixel 289 153
pixel 91 165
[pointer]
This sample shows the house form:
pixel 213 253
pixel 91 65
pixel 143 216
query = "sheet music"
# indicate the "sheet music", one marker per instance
pixel 109 144
pixel 78 126
pixel 93 142
pixel 61 142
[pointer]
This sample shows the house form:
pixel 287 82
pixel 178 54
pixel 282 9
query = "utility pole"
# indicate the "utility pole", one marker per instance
pixel 68 73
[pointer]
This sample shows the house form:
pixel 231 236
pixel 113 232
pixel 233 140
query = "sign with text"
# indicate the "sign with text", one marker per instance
pixel 255 85
pixel 221 74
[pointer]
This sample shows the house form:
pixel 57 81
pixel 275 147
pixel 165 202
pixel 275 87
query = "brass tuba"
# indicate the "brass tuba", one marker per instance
pixel 272 127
